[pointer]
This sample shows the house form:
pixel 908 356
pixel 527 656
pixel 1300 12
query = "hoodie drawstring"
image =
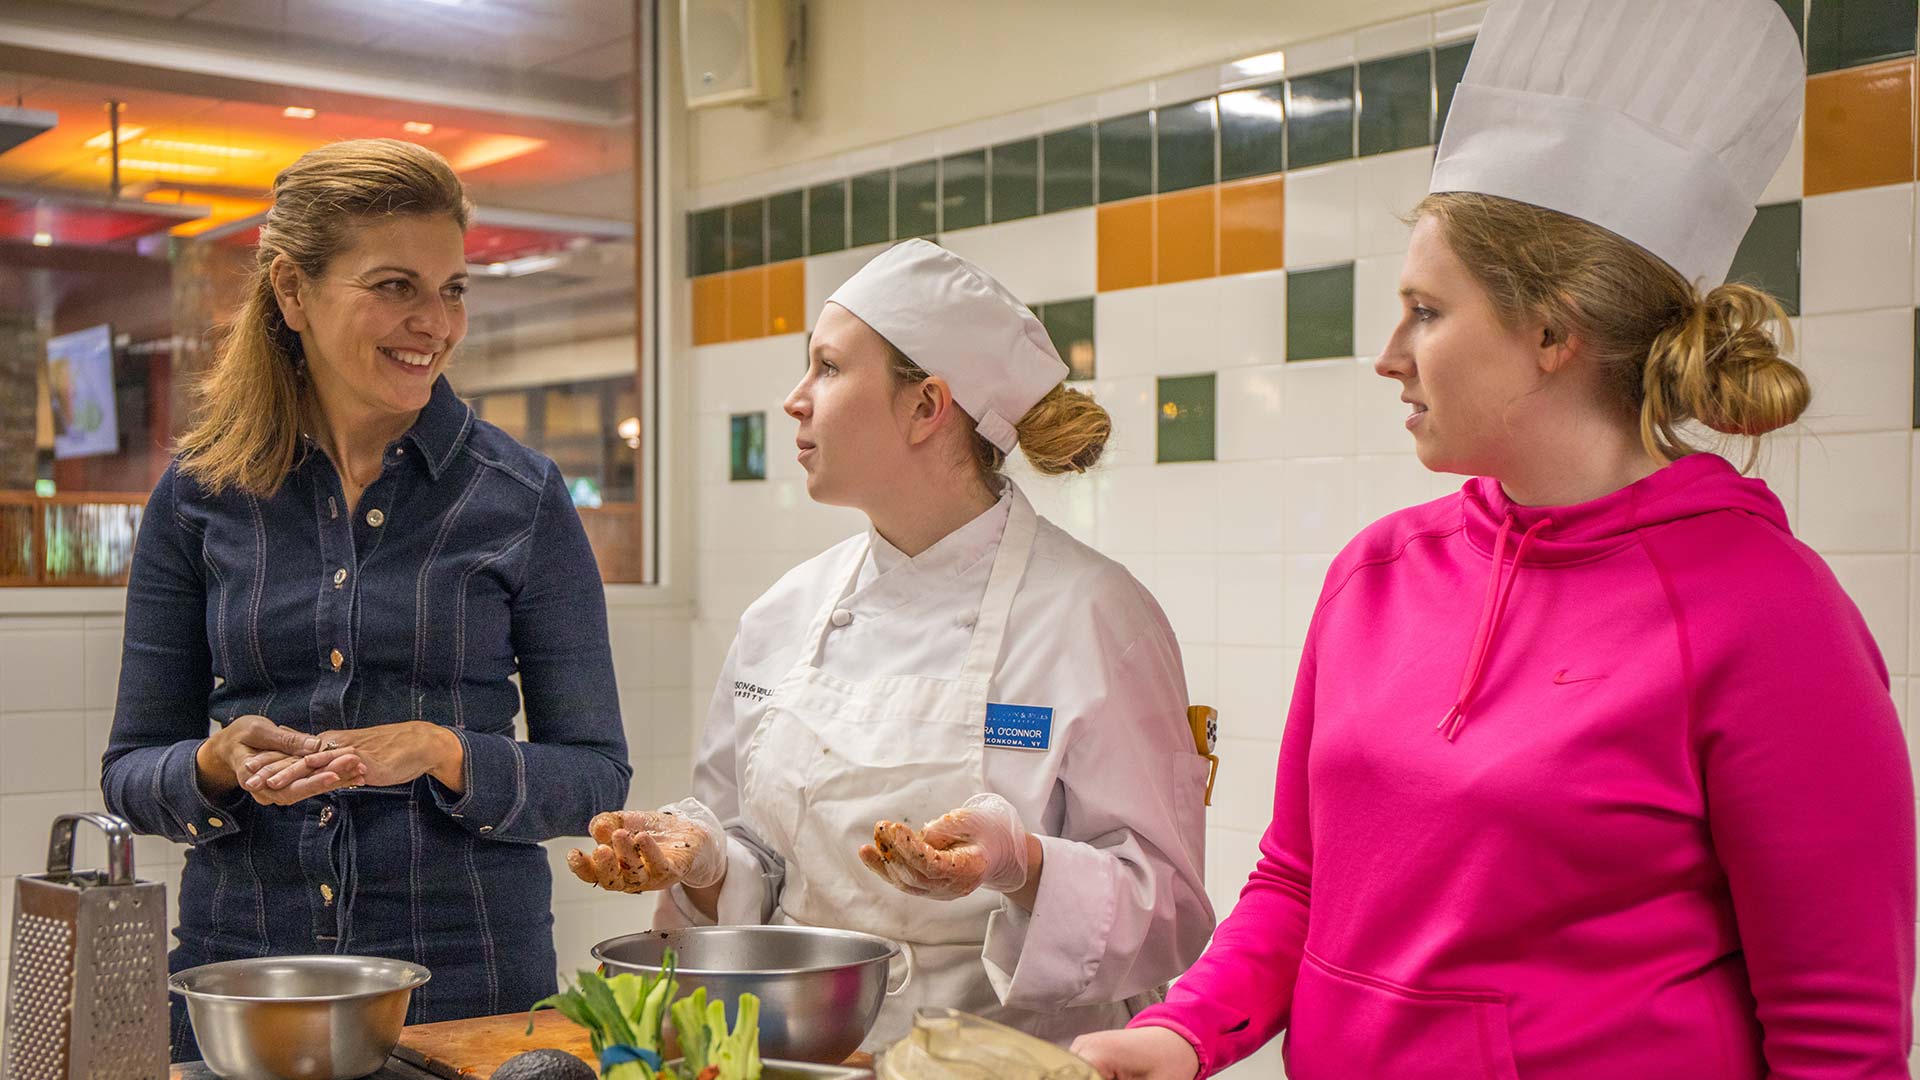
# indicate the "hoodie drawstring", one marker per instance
pixel 1499 587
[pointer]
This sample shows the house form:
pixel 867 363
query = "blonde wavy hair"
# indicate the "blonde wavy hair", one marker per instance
pixel 1670 353
pixel 246 432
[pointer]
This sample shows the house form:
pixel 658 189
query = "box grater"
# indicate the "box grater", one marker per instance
pixel 87 985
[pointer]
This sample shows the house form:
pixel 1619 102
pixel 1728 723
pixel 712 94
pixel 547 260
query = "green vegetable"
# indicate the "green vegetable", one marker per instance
pixel 625 1016
pixel 624 1011
pixel 737 1054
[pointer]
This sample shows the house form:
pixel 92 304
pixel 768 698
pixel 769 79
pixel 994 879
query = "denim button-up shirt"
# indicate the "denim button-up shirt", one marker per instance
pixel 463 566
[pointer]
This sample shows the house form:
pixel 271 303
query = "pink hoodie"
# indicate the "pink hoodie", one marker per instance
pixel 1664 828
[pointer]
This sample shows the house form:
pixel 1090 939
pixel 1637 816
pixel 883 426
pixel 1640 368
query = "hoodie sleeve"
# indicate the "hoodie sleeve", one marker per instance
pixel 1810 802
pixel 1240 993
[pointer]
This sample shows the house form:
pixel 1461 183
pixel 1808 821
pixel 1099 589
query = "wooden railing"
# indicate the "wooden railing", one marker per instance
pixel 81 539
pixel 86 538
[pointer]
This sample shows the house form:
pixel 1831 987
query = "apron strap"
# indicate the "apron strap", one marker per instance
pixel 996 606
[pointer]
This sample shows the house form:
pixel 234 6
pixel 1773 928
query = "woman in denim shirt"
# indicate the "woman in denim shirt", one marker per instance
pixel 343 570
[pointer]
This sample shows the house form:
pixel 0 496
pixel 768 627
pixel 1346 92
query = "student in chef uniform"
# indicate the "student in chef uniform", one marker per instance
pixel 1591 769
pixel 964 663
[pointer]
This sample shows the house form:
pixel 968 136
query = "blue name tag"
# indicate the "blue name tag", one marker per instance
pixel 1020 727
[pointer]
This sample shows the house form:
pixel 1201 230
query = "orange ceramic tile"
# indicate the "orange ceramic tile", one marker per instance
pixel 1183 235
pixel 1125 238
pixel 709 309
pixel 1860 127
pixel 747 304
pixel 1253 225
pixel 787 297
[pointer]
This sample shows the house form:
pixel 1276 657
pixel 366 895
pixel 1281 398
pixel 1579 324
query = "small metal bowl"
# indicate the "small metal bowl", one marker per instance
pixel 298 1017
pixel 820 989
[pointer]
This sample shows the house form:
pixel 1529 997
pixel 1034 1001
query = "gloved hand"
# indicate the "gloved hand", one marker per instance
pixel 981 845
pixel 648 850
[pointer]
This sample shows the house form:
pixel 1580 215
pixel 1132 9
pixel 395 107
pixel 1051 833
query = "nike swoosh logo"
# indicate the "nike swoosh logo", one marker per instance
pixel 1563 678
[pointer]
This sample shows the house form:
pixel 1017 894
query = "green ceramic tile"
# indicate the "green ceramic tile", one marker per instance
pixel 1849 33
pixel 1015 167
pixel 1126 157
pixel 747 453
pixel 1066 169
pixel 873 208
pixel 916 200
pixel 1769 256
pixel 786 226
pixel 1253 131
pixel 1797 12
pixel 963 191
pixel 1396 103
pixel 1320 118
pixel 1449 64
pixel 707 241
pixel 746 234
pixel 1070 324
pixel 827 218
pixel 1183 135
pixel 1320 313
pixel 1186 418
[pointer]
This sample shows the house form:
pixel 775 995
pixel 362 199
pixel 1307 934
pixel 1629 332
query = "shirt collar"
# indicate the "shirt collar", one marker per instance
pixel 891 578
pixel 440 429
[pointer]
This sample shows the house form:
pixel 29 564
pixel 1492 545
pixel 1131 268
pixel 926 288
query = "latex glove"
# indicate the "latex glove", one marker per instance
pixel 648 850
pixel 981 845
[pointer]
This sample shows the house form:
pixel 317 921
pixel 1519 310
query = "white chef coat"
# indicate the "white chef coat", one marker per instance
pixel 1117 799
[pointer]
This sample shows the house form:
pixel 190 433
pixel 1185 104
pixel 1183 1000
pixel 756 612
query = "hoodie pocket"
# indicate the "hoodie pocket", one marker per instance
pixel 1346 1024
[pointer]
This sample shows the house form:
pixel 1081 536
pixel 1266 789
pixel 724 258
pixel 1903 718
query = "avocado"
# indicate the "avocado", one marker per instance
pixel 544 1065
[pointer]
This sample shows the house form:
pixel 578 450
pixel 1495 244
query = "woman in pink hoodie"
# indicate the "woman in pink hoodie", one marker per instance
pixel 1591 769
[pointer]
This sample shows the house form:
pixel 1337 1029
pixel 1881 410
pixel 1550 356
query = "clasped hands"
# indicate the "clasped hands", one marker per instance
pixel 279 766
pixel 979 845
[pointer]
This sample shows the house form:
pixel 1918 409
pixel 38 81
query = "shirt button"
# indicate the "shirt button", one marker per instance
pixel 375 518
pixel 841 617
pixel 214 822
pixel 192 830
pixel 336 658
pixel 486 828
pixel 326 894
pixel 339 577
pixel 326 816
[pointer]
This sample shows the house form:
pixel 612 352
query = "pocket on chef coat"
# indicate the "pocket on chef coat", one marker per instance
pixel 1190 800
pixel 1347 1024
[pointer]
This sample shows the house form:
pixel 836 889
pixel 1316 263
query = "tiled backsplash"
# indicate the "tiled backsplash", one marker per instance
pixel 1221 253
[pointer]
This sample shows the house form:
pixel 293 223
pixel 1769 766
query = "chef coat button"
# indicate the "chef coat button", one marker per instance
pixel 339 577
pixel 841 617
pixel 336 659
pixel 375 518
pixel 486 828
pixel 326 816
pixel 326 895
pixel 214 822
pixel 192 830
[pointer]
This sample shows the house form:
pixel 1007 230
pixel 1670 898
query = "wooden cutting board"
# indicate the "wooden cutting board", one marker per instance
pixel 472 1049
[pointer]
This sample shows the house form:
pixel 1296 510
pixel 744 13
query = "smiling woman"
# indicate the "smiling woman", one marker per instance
pixel 346 570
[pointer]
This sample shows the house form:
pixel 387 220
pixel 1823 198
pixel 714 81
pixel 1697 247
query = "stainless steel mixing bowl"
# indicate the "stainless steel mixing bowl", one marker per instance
pixel 820 990
pixel 298 1017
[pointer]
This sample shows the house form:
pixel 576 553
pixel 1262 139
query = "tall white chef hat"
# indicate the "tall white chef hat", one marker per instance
pixel 1659 120
pixel 953 319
